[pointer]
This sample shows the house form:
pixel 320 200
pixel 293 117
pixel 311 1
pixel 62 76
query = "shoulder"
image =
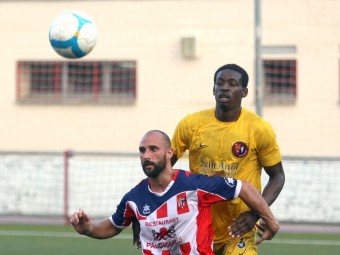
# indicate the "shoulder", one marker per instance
pixel 255 121
pixel 249 115
pixel 140 188
pixel 180 174
pixel 187 175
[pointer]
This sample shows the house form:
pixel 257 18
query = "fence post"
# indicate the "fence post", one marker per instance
pixel 67 155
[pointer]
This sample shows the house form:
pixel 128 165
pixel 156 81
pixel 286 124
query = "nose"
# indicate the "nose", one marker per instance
pixel 225 86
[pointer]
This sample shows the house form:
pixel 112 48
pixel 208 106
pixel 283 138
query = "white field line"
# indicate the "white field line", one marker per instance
pixel 303 242
pixel 51 234
pixel 129 236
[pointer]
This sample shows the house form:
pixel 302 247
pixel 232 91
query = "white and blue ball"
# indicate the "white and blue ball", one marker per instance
pixel 73 34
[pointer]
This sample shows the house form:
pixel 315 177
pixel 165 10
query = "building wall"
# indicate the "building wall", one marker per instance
pixel 169 86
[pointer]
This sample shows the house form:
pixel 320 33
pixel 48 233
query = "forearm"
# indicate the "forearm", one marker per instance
pixel 272 190
pixel 102 230
pixel 253 199
pixel 275 183
pixel 259 209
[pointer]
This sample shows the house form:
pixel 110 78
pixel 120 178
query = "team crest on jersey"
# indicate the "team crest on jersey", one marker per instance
pixel 146 209
pixel 239 149
pixel 182 203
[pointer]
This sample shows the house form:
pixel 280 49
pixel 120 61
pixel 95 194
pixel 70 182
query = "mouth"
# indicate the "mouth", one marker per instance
pixel 148 164
pixel 223 98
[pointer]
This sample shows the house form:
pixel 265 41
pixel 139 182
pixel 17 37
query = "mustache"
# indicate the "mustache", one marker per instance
pixel 223 94
pixel 148 162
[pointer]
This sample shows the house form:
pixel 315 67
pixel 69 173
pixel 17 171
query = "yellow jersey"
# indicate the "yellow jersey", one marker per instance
pixel 232 149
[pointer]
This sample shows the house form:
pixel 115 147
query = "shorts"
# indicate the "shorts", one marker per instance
pixel 244 245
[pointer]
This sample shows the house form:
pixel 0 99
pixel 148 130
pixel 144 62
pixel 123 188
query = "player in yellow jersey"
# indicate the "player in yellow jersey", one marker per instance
pixel 231 141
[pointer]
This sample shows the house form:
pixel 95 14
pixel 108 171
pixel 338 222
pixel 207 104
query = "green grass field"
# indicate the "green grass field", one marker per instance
pixel 62 240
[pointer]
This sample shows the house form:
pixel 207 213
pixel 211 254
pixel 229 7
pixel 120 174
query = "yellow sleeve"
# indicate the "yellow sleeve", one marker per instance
pixel 268 150
pixel 180 140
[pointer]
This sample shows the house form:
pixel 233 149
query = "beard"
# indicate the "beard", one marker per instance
pixel 223 107
pixel 157 168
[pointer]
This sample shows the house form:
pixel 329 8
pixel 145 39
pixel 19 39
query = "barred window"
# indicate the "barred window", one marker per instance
pixel 76 82
pixel 280 81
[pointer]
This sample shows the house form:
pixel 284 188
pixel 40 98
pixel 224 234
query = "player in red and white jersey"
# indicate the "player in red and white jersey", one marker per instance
pixel 173 207
pixel 179 218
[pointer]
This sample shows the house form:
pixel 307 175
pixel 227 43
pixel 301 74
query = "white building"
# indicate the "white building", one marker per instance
pixel 302 35
pixel 170 49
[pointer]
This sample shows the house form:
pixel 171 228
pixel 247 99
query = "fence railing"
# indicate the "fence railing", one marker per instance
pixel 54 184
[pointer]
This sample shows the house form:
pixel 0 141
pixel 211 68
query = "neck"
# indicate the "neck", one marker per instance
pixel 227 115
pixel 161 182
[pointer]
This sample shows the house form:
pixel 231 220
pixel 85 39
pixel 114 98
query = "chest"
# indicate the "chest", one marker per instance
pixel 165 211
pixel 233 141
pixel 166 219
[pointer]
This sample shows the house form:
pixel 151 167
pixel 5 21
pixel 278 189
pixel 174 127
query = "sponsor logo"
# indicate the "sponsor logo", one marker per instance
pixel 164 233
pixel 161 222
pixel 164 238
pixel 165 244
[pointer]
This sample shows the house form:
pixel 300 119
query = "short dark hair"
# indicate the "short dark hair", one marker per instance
pixel 237 68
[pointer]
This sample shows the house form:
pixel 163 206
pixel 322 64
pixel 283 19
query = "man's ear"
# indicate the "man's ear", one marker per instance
pixel 170 153
pixel 244 92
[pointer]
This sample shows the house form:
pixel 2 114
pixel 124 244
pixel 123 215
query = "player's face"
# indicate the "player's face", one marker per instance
pixel 228 90
pixel 152 169
pixel 152 152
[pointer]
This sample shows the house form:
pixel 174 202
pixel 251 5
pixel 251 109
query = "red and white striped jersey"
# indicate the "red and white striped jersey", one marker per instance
pixel 177 221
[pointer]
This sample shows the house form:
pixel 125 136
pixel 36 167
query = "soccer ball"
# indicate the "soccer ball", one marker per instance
pixel 73 34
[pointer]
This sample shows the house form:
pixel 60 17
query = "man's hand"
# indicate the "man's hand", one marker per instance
pixel 247 220
pixel 243 224
pixel 81 222
pixel 266 231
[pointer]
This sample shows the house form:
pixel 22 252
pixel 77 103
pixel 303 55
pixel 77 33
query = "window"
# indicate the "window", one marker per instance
pixel 279 81
pixel 76 82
